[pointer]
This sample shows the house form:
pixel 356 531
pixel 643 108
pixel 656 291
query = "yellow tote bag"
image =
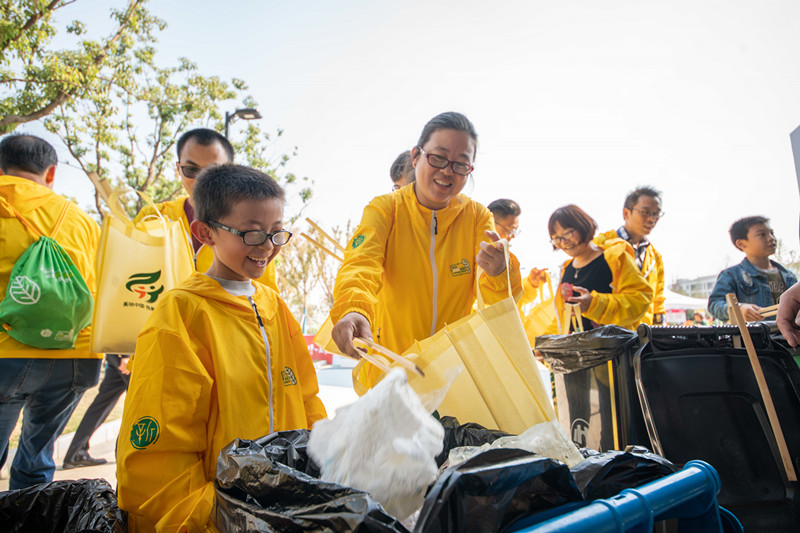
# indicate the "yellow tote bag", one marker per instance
pixel 500 385
pixel 136 265
pixel 541 319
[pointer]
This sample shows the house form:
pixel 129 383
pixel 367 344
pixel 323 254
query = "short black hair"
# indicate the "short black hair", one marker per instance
pixel 27 153
pixel 205 137
pixel 504 207
pixel 449 120
pixel 402 168
pixel 573 217
pixel 741 227
pixel 633 196
pixel 219 187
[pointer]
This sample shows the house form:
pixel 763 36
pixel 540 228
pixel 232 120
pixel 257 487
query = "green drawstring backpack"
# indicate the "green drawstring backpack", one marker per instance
pixel 47 302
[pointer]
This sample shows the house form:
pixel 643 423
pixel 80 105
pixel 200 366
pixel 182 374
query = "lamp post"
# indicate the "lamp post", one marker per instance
pixel 244 114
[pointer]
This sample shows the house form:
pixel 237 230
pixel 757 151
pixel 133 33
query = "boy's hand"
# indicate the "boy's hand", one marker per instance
pixel 584 298
pixel 788 315
pixel 491 257
pixel 351 325
pixel 123 366
pixel 751 312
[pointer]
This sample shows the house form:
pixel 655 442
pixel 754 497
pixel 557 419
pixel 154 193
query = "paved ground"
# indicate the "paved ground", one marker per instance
pixel 335 391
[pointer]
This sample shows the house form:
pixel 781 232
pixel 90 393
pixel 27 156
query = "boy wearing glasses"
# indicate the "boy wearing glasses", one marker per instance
pixel 220 358
pixel 757 281
pixel 641 212
pixel 197 149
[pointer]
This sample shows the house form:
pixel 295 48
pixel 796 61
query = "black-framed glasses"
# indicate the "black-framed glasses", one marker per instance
pixel 190 171
pixel 256 237
pixel 437 161
pixel 566 236
pixel 646 213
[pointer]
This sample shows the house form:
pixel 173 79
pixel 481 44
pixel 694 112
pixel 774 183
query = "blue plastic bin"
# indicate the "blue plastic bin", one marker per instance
pixel 689 495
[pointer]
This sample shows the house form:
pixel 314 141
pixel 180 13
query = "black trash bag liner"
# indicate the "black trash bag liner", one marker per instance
pixel 569 353
pixel 470 434
pixel 494 489
pixel 271 484
pixel 85 505
pixel 603 475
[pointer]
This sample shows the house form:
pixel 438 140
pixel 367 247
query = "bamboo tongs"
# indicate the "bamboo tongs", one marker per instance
pixel 399 359
pixel 735 313
pixel 767 312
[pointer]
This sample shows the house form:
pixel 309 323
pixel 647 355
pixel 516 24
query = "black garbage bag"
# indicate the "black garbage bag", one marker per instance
pixel 494 489
pixel 85 505
pixel 470 434
pixel 271 484
pixel 603 475
pixel 570 353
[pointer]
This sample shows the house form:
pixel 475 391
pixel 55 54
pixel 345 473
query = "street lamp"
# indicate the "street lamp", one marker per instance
pixel 244 114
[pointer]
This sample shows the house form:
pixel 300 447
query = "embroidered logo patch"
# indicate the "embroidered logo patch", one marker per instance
pixel 357 241
pixel 460 269
pixel 145 432
pixel 288 377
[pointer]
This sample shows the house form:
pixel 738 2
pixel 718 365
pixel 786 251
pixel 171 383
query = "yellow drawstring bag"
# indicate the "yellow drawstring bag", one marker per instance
pixel 499 385
pixel 541 319
pixel 136 264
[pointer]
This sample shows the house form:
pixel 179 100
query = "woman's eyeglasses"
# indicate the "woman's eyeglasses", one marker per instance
pixel 437 161
pixel 564 237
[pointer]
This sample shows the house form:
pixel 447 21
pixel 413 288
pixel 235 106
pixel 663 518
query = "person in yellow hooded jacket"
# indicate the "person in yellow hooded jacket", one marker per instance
pixel 410 267
pixel 641 213
pixel 220 358
pixel 44 384
pixel 198 149
pixel 600 276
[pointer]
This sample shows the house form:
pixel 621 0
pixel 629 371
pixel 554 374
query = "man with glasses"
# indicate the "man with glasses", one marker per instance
pixel 197 149
pixel 641 213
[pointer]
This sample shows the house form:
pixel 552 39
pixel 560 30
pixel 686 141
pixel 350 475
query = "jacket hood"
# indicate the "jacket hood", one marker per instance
pixel 444 216
pixel 610 238
pixel 25 195
pixel 210 289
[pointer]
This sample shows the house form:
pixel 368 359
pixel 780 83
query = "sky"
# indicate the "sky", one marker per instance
pixel 574 102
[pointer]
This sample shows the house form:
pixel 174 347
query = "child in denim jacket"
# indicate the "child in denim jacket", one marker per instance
pixel 757 281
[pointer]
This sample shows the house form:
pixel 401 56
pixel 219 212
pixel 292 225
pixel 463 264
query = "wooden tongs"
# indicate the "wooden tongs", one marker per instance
pixel 767 312
pixel 735 314
pixel 322 246
pixel 399 359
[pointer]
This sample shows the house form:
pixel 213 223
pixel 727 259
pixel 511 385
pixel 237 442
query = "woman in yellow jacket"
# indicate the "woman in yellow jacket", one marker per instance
pixel 601 276
pixel 410 267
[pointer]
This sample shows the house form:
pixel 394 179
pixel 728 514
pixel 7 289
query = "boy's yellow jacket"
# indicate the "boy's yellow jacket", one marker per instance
pixel 631 295
pixel 653 273
pixel 410 270
pixel 174 210
pixel 79 235
pixel 202 377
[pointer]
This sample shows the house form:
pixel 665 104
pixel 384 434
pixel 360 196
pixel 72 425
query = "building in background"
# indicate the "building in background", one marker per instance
pixel 696 288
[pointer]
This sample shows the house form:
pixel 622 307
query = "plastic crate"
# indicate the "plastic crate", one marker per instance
pixel 689 495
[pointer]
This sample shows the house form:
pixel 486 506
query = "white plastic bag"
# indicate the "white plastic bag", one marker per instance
pixel 547 439
pixel 386 444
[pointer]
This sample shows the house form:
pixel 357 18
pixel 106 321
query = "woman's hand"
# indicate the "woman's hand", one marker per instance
pixel 584 298
pixel 491 257
pixel 350 326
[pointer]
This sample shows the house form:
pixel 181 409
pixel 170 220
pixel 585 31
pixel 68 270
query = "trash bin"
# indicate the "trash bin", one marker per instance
pixel 595 388
pixel 701 400
pixel 82 505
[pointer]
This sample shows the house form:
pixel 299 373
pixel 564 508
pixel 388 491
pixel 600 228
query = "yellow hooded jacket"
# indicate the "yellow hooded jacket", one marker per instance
pixel 631 295
pixel 202 377
pixel 653 273
pixel 174 210
pixel 410 270
pixel 79 235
